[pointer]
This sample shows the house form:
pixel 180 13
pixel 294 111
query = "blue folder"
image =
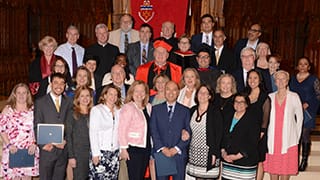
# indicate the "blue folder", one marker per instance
pixel 164 165
pixel 50 133
pixel 21 159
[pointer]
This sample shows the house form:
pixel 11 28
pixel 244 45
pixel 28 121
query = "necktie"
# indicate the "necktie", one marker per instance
pixel 126 42
pixel 144 55
pixel 157 69
pixel 74 61
pixel 217 56
pixel 170 112
pixel 57 104
pixel 207 39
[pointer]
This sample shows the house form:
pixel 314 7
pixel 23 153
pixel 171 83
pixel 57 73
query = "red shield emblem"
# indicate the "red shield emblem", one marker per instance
pixel 146 12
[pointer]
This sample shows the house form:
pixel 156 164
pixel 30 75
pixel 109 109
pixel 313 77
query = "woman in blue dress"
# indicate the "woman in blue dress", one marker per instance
pixel 307 86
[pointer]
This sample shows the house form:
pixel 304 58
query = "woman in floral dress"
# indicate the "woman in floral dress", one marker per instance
pixel 16 124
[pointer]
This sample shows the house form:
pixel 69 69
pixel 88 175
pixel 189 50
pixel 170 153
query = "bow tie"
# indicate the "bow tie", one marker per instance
pixel 157 69
pixel 203 69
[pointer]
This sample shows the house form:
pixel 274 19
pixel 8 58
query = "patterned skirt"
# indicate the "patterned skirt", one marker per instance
pixel 237 172
pixel 107 168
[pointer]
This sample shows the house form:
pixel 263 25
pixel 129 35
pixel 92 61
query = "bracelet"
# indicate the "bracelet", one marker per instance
pixel 8 145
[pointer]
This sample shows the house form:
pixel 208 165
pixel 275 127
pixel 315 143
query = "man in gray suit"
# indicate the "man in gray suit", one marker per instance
pixel 53 108
pixel 142 51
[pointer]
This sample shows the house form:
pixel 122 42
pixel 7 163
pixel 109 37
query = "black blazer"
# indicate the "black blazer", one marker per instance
pixel 134 55
pixel 214 132
pixel 227 61
pixel 196 42
pixel 243 138
pixel 240 44
pixel 238 75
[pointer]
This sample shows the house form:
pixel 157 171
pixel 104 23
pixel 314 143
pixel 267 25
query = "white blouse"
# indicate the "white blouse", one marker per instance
pixel 103 129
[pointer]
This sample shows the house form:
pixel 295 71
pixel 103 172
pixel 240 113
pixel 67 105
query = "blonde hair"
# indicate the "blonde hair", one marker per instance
pixel 182 82
pixel 260 45
pixel 287 75
pixel 129 97
pixel 233 83
pixel 47 40
pixel 165 78
pixel 12 100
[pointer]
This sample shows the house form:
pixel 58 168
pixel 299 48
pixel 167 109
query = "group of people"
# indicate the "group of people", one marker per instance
pixel 128 100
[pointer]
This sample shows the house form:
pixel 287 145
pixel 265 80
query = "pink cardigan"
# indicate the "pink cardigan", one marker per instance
pixel 133 126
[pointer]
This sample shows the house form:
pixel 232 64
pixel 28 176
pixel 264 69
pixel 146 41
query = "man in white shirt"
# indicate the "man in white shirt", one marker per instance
pixel 71 51
pixel 207 24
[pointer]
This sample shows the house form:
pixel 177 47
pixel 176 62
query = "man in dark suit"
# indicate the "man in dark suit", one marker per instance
pixel 223 57
pixel 248 57
pixel 53 108
pixel 118 76
pixel 207 24
pixel 252 41
pixel 142 51
pixel 105 51
pixel 167 122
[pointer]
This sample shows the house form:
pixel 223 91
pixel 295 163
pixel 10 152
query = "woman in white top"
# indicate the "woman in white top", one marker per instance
pixel 103 132
pixel 189 84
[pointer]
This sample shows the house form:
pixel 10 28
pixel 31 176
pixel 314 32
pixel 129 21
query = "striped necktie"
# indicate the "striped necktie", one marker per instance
pixel 144 55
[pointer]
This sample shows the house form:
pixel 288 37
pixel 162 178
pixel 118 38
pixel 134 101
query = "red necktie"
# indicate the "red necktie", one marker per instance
pixel 158 69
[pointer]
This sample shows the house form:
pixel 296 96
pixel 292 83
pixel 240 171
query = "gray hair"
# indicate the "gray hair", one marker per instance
pixel 100 26
pixel 248 49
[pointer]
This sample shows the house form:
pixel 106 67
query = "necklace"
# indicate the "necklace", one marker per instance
pixel 199 116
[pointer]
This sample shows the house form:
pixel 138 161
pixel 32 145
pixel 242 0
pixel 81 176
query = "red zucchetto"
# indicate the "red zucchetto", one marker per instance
pixel 161 43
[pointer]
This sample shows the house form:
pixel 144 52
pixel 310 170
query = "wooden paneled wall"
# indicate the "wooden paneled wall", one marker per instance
pixel 24 23
pixel 291 27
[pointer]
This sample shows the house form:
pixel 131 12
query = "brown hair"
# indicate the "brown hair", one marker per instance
pixel 209 91
pixel 66 66
pixel 12 100
pixel 129 97
pixel 76 103
pixel 105 91
pixel 275 56
pixel 88 73
pixel 184 36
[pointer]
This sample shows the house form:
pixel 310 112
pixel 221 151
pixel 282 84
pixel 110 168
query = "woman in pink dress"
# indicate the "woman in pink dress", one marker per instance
pixel 16 124
pixel 284 131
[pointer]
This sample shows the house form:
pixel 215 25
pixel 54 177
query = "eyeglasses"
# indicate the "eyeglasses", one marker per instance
pixel 240 102
pixel 59 66
pixel 247 56
pixel 203 57
pixel 254 30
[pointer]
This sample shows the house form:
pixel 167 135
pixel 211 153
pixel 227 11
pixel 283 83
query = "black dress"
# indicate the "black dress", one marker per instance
pixel 261 107
pixel 79 145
